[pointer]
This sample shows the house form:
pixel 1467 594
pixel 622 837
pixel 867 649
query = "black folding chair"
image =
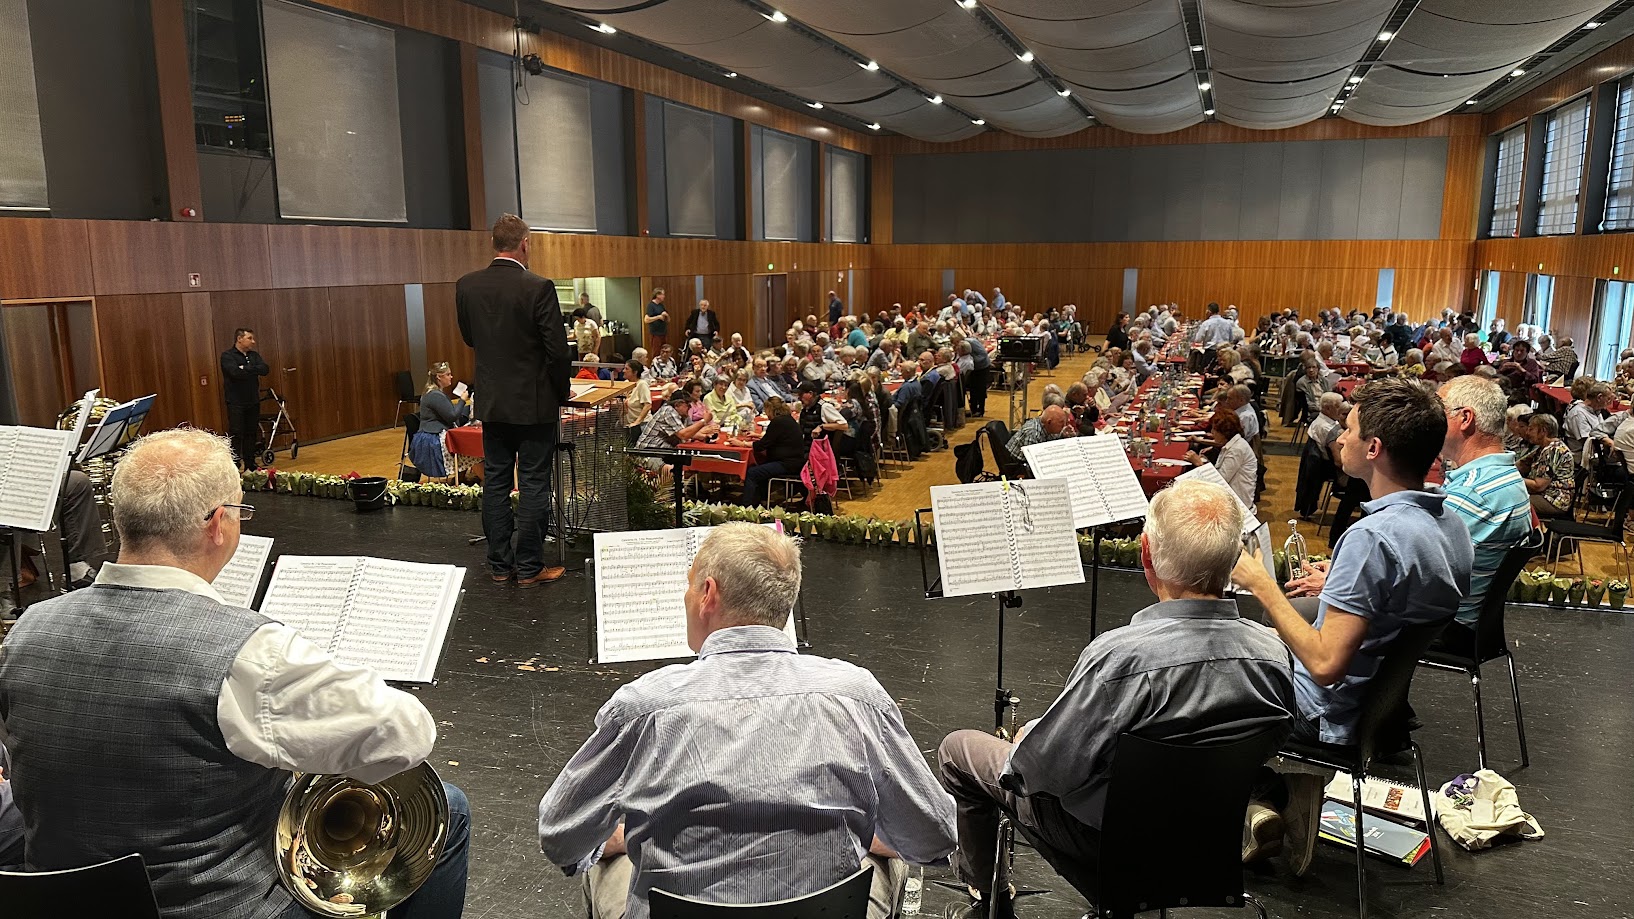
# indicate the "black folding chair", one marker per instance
pixel 403 380
pixel 847 899
pixel 119 887
pixel 1610 532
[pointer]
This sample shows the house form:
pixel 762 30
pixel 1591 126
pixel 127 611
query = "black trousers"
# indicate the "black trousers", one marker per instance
pixel 977 386
pixel 82 522
pixel 525 453
pixel 244 430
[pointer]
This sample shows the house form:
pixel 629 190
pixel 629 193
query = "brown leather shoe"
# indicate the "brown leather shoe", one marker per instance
pixel 501 578
pixel 545 576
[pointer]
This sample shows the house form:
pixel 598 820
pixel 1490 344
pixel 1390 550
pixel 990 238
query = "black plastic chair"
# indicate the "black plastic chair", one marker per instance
pixel 113 888
pixel 411 427
pixel 1490 644
pixel 1382 710
pixel 1162 848
pixel 1610 532
pixel 847 899
pixel 998 441
pixel 406 394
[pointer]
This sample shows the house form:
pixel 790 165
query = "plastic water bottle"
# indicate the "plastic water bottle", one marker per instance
pixel 913 891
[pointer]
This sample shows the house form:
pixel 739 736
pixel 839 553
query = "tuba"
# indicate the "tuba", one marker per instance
pixel 347 849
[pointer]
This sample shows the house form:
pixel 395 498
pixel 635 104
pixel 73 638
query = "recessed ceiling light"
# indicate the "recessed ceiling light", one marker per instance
pixel 1518 72
pixel 1205 86
pixel 935 100
pixel 1591 25
pixel 1208 111
pixel 777 16
pixel 873 126
pixel 871 65
pixel 968 4
pixel 604 28
pixel 1196 48
pixel 731 74
pixel 815 104
pixel 979 121
pixel 1026 57
pixel 1386 35
pixel 1064 93
pixel 1470 102
pixel 1354 80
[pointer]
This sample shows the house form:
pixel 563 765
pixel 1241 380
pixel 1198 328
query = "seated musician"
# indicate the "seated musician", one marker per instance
pixel 750 775
pixel 144 715
pixel 1407 562
pixel 1186 670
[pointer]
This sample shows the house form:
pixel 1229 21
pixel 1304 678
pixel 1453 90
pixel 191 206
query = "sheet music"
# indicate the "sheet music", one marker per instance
pixel 308 593
pixel 460 389
pixel 399 616
pixel 641 583
pixel 110 431
pixel 1103 486
pixel 87 402
pixel 33 462
pixel 995 536
pixel 1208 473
pixel 238 580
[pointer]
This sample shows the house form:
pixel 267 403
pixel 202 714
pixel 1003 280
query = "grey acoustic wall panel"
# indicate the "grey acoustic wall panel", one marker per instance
pixel 1350 189
pixel 689 170
pixel 781 186
pixel 555 155
pixel 22 156
pixel 336 135
pixel 498 110
pixel 607 120
pixel 845 187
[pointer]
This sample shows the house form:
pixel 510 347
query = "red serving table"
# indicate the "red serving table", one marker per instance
pixel 466 441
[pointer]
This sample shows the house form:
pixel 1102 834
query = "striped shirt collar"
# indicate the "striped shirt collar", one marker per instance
pixel 746 638
pixel 1499 459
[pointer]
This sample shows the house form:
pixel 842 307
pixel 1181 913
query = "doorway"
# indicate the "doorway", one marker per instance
pixel 48 358
pixel 771 298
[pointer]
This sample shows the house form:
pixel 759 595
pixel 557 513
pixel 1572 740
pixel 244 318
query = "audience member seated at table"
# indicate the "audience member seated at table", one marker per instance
pixel 701 370
pixel 763 386
pixel 1406 562
pixel 1050 424
pixel 752 774
pixel 861 415
pixel 1319 460
pixel 1187 670
pixel 1117 335
pixel 788 376
pixel 1473 354
pixel 886 356
pixel 779 453
pixel 1484 488
pixel 1240 399
pixel 819 417
pixel 1444 350
pixel 638 403
pixel 1522 371
pixel 1313 383
pixel 670 428
pixel 1551 471
pixel 663 366
pixel 438 413
pixel 720 405
pixel 1085 414
pixel 1586 420
pixel 1412 363
pixel 1559 361
pixel 1235 459
pixel 695 410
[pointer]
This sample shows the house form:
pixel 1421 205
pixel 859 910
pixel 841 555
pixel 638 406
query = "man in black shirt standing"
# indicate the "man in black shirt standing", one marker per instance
pixel 243 367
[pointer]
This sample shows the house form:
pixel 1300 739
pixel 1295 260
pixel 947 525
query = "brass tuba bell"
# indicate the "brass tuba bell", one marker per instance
pixel 347 849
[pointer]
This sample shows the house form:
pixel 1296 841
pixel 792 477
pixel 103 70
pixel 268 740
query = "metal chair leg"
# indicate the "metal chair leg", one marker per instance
pixel 1361 846
pixel 1429 814
pixel 1520 725
pixel 1480 718
pixel 1259 907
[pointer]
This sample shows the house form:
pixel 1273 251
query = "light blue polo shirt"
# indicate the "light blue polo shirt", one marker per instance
pixel 1491 497
pixel 1408 561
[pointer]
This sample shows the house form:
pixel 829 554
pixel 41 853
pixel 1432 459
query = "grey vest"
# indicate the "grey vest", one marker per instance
pixel 109 699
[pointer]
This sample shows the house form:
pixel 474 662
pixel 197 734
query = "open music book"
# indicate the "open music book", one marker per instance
pixel 387 615
pixel 33 462
pixel 641 584
pixel 110 431
pixel 1103 486
pixel 995 536
pixel 1209 474
pixel 238 580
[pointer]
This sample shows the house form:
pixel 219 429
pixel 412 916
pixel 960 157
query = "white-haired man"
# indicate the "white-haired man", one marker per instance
pixel 1186 670
pixel 145 715
pixel 751 774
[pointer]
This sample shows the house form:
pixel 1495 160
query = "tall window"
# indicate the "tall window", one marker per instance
pixel 1565 136
pixel 1489 298
pixel 1506 186
pixel 1613 312
pixel 1620 184
pixel 1540 300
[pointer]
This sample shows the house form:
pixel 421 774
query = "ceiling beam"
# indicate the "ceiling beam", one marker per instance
pixel 1387 33
pixel 1002 33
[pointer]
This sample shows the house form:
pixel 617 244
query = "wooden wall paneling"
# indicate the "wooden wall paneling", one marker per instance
pixel 42 258
pixel 443 340
pixel 1461 195
pixel 1610 64
pixel 907 286
pixel 476 193
pixel 175 92
pixel 148 257
pixel 446 255
pixel 203 351
pixel 370 340
pixel 36 378
pixel 881 199
pixel 295 335
pixel 329 256
pixel 137 335
pixel 1512 297
pixel 732 297
pixel 678 302
pixel 807 292
pixel 1572 309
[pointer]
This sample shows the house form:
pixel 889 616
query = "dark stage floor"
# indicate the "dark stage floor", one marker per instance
pixel 517 698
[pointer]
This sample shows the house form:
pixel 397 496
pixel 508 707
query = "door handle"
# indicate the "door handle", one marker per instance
pixel 289 369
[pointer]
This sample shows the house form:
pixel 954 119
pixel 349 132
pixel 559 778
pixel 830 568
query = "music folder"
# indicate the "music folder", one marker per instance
pixel 999 536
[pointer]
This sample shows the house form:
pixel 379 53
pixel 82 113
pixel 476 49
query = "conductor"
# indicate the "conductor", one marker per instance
pixel 242 368
pixel 511 318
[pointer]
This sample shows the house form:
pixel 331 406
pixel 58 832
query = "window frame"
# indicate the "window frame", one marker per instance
pixel 1568 162
pixel 1499 185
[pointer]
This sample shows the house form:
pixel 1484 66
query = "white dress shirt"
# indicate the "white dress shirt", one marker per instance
pixel 1237 465
pixel 288 704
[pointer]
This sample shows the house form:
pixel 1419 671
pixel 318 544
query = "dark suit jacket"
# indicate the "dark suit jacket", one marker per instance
pixel 510 316
pixel 692 323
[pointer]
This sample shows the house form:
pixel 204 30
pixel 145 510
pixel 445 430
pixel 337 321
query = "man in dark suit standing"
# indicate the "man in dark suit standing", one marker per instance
pixel 510 317
pixel 242 369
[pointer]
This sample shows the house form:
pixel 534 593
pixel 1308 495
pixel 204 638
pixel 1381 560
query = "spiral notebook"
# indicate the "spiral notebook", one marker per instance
pixel 389 616
pixel 996 536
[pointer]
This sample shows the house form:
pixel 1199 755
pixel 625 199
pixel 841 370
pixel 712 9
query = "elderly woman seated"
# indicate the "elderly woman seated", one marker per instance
pixel 1551 471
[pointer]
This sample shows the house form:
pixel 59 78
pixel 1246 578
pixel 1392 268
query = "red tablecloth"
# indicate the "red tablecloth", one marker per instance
pixel 466 441
pixel 1160 476
pixel 1562 396
pixel 1347 386
pixel 1353 368
pixel 735 468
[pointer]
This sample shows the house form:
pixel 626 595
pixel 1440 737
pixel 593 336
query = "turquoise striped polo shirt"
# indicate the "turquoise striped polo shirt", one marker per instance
pixel 1491 497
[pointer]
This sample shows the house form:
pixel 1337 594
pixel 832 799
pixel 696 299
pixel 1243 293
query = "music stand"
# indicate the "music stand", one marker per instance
pixel 117 428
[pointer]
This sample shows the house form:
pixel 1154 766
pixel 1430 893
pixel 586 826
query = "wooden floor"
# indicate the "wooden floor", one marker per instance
pixel 905 488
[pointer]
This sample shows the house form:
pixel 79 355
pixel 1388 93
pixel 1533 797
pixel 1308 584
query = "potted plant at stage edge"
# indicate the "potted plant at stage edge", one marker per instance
pixel 1616 593
pixel 1596 590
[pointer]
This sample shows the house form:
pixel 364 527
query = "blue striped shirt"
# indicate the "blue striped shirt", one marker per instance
pixel 1490 496
pixel 751 774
